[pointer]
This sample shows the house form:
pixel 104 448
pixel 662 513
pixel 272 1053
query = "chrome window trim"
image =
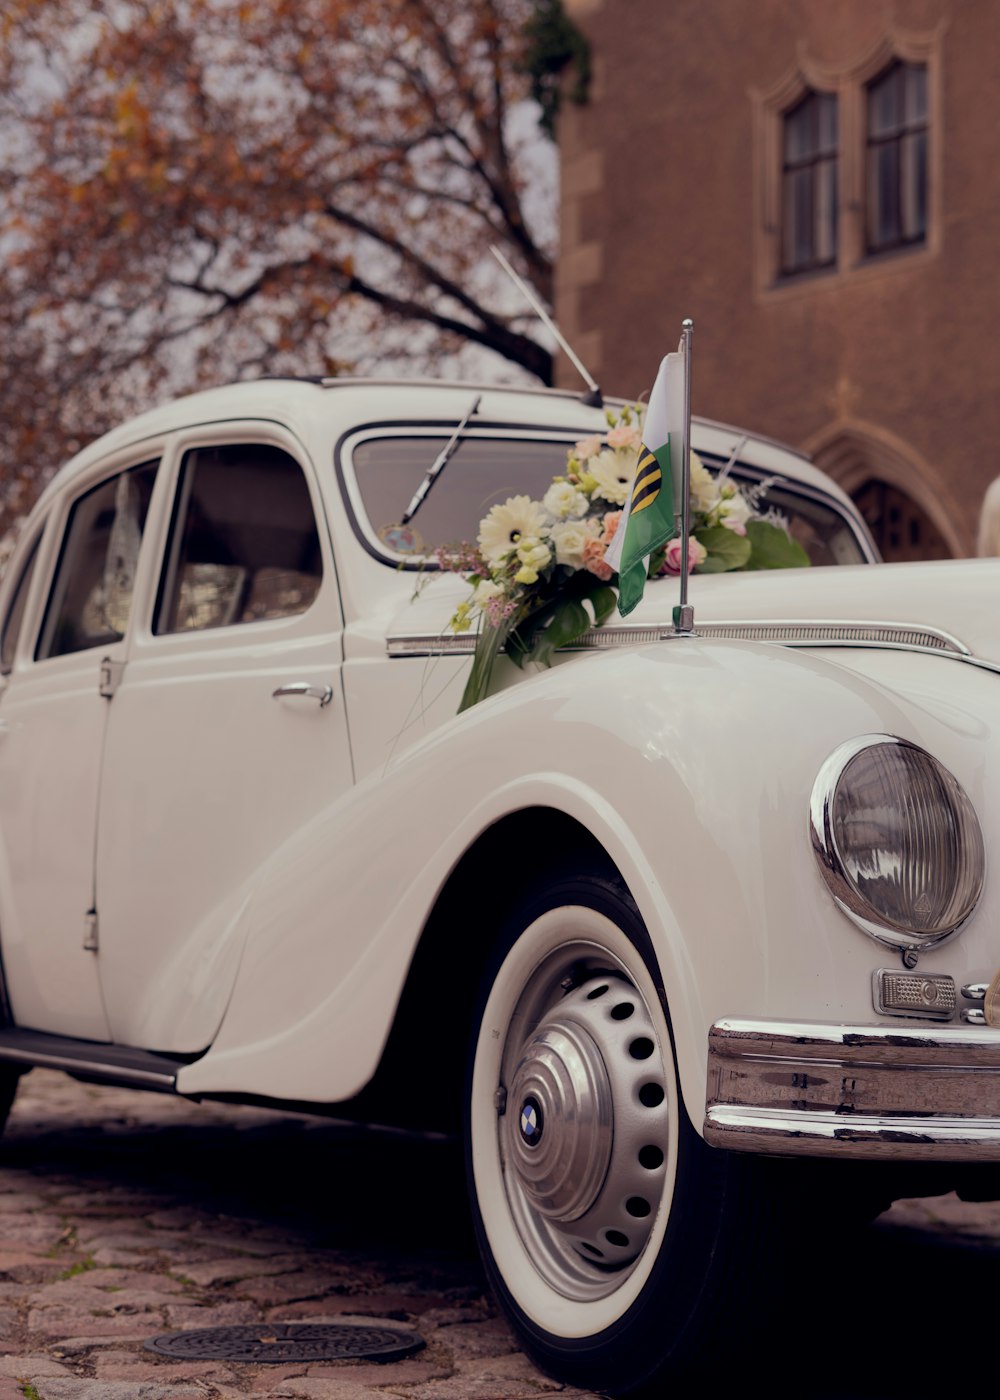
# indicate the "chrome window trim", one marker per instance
pixel 828 857
pixel 442 428
pixel 831 632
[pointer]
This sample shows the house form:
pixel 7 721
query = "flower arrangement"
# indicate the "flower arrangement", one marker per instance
pixel 538 572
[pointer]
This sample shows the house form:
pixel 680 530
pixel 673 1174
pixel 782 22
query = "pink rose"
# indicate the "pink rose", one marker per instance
pixel 697 554
pixel 737 526
pixel 611 523
pixel 593 559
pixel 624 436
pixel 587 447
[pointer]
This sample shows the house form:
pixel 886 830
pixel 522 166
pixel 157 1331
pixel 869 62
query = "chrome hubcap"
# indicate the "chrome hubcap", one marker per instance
pixel 584 1139
pixel 562 1160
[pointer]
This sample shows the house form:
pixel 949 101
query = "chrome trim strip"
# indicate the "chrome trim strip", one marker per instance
pixel 111 1071
pixel 795 633
pixel 909 636
pixel 867 1091
pixel 431 644
pixel 863 1136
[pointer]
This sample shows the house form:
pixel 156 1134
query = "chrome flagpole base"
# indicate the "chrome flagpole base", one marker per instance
pixel 683 620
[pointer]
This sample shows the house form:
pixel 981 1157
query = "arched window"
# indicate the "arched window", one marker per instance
pixel 809 184
pixel 896 158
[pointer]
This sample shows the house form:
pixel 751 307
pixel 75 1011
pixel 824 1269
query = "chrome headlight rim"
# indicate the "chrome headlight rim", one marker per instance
pixel 870 920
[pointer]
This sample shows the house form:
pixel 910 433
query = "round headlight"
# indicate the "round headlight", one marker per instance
pixel 898 841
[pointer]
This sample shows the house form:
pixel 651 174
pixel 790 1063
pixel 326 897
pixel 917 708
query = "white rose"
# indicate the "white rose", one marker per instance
pixel 734 511
pixel 569 538
pixel 704 491
pixel 563 501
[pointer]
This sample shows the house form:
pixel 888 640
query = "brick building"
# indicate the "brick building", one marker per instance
pixel 817 184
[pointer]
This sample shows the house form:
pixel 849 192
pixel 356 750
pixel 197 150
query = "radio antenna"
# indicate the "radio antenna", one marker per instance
pixel 593 397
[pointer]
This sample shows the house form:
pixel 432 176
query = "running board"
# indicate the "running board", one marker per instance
pixel 89 1059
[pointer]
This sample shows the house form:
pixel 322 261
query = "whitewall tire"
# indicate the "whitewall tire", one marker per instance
pixel 599 1212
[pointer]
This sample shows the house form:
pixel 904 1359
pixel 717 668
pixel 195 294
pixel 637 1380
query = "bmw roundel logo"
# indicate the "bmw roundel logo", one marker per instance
pixel 531 1122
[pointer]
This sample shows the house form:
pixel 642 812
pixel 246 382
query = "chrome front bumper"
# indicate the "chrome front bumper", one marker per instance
pixel 854 1091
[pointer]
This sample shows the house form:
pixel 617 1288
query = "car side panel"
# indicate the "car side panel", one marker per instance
pixel 691 762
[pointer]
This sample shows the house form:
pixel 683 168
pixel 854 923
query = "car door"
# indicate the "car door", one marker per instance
pixel 227 730
pixel 53 717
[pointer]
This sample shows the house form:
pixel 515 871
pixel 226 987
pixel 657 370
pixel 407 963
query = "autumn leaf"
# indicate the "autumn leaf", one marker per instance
pixel 200 191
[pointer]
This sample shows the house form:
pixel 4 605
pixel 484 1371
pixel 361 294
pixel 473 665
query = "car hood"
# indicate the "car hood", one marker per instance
pixel 954 598
pixel 948 604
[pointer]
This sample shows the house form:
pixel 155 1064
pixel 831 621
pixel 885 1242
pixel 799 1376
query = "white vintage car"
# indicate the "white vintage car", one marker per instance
pixel 689 901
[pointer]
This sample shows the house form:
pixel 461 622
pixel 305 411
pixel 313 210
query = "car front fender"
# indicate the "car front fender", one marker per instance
pixel 690 762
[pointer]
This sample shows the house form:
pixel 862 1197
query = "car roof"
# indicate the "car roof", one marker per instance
pixel 360 402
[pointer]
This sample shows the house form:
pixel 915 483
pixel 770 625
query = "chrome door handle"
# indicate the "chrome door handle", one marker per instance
pixel 322 693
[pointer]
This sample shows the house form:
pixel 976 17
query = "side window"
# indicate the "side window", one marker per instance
pixel 243 542
pixel 15 613
pixel 92 591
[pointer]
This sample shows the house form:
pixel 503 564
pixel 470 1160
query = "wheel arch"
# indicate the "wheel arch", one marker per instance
pixel 425 1054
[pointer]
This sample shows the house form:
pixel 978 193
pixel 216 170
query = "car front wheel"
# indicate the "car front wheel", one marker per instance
pixel 611 1234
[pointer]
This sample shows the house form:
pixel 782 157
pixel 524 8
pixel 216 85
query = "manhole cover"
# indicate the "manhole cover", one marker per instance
pixel 316 1341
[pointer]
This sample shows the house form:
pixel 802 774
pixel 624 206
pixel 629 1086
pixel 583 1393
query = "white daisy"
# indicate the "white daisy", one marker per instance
pixel 614 473
pixel 507 524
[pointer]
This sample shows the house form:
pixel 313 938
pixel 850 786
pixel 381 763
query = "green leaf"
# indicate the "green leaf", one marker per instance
pixel 726 550
pixel 774 548
pixel 489 644
pixel 569 622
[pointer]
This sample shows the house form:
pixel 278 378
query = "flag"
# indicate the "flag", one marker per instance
pixel 648 518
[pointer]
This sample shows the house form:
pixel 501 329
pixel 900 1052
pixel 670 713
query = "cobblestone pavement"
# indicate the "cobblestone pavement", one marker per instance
pixel 123 1215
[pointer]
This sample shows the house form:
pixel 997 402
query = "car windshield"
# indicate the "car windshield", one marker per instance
pixel 484 470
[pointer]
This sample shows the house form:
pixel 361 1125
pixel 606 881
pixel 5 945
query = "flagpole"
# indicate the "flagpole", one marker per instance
pixel 684 614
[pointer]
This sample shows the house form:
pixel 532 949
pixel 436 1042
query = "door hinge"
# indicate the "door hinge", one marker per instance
pixel 90 931
pixel 111 674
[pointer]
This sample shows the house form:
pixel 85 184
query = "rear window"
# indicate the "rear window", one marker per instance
pixel 482 471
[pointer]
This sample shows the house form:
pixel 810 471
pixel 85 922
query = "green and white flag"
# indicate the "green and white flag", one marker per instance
pixel 648 518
